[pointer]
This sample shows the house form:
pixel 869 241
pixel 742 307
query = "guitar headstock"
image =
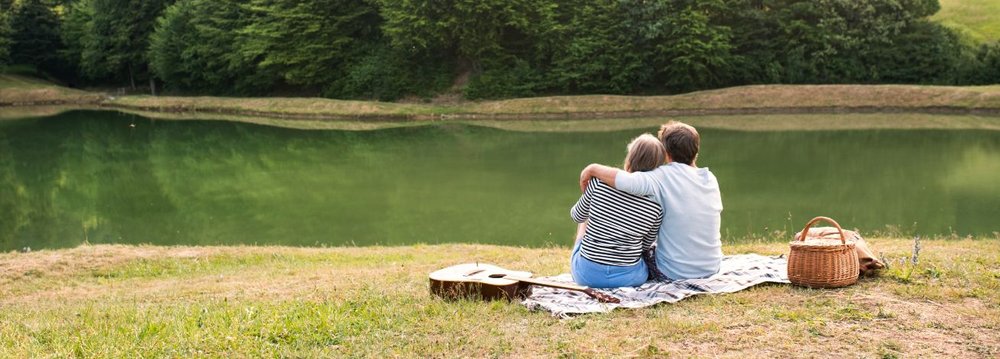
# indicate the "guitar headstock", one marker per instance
pixel 601 296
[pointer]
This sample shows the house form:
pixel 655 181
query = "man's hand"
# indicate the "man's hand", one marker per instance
pixel 585 177
pixel 604 173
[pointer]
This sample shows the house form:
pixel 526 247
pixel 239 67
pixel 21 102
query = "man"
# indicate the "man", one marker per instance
pixel 689 244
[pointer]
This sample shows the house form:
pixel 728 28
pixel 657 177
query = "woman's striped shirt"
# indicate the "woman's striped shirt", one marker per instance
pixel 621 225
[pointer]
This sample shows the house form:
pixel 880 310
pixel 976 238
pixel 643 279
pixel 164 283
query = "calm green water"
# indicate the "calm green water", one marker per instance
pixel 89 176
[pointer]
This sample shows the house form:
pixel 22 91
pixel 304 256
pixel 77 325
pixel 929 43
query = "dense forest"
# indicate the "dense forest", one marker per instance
pixel 387 49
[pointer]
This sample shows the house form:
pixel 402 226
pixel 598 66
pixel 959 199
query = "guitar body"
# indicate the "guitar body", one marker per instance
pixel 489 282
pixel 478 281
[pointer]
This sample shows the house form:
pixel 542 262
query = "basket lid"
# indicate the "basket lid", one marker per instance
pixel 815 242
pixel 804 242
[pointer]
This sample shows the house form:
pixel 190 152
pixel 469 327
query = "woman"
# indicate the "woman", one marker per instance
pixel 617 227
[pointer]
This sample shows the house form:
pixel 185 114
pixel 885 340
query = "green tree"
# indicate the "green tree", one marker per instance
pixel 827 41
pixel 35 35
pixel 472 30
pixel 78 37
pixel 386 49
pixel 378 70
pixel 695 53
pixel 195 47
pixel 871 28
pixel 756 34
pixel 120 31
pixel 981 66
pixel 5 36
pixel 595 52
pixel 811 38
pixel 307 43
pixel 681 41
pixel 989 56
pixel 924 52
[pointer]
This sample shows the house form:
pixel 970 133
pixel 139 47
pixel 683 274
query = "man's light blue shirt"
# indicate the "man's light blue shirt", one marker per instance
pixel 689 244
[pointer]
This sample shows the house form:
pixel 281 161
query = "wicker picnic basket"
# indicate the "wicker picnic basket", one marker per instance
pixel 822 263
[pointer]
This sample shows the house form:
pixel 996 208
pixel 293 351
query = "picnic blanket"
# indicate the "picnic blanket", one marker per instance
pixel 736 273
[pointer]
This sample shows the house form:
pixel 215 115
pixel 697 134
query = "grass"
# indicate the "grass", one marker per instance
pixel 736 100
pixel 21 90
pixel 147 301
pixel 749 122
pixel 975 19
pixel 20 112
pixel 762 122
pixel 759 99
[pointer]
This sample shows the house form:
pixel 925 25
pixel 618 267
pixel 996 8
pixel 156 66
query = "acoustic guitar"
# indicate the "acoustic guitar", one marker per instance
pixel 489 282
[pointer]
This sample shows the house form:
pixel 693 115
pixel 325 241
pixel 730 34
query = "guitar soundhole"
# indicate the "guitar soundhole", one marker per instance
pixel 497 275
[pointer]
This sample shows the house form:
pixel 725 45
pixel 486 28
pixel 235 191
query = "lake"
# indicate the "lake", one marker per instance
pixel 90 176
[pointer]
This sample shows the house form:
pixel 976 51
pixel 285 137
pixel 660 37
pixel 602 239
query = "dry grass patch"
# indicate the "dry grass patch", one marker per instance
pixel 22 112
pixel 775 122
pixel 18 90
pixel 302 124
pixel 745 99
pixel 761 97
pixel 275 106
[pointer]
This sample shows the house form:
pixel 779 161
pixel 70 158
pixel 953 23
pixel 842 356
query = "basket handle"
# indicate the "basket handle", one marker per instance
pixel 805 231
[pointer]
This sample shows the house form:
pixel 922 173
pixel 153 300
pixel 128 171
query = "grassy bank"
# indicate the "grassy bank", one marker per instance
pixel 749 122
pixel 25 91
pixel 736 100
pixel 762 99
pixel 128 301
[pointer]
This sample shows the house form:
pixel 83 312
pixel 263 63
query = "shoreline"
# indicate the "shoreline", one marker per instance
pixel 803 110
pixel 20 93
pixel 756 122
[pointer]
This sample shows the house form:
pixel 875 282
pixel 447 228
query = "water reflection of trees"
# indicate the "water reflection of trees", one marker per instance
pixel 89 176
pixel 67 180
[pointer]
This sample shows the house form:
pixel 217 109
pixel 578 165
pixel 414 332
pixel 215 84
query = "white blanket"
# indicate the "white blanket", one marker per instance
pixel 736 273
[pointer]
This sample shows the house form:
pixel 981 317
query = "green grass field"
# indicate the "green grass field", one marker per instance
pixel 148 301
pixel 978 20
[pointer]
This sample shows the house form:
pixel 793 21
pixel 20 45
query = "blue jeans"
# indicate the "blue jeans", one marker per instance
pixel 596 275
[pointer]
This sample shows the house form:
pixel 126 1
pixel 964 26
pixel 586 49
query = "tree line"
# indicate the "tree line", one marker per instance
pixel 387 49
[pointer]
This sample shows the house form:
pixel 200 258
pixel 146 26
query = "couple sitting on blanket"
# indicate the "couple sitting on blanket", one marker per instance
pixel 660 196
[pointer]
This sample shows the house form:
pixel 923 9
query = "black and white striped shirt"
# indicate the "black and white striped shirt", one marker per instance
pixel 621 225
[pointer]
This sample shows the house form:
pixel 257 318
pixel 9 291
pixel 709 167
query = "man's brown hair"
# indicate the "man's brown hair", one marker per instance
pixel 681 142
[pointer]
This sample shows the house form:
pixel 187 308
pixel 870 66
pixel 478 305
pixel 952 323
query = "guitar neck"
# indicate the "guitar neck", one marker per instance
pixel 549 284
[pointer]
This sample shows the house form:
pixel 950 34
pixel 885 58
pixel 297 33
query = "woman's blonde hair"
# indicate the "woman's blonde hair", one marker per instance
pixel 645 153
